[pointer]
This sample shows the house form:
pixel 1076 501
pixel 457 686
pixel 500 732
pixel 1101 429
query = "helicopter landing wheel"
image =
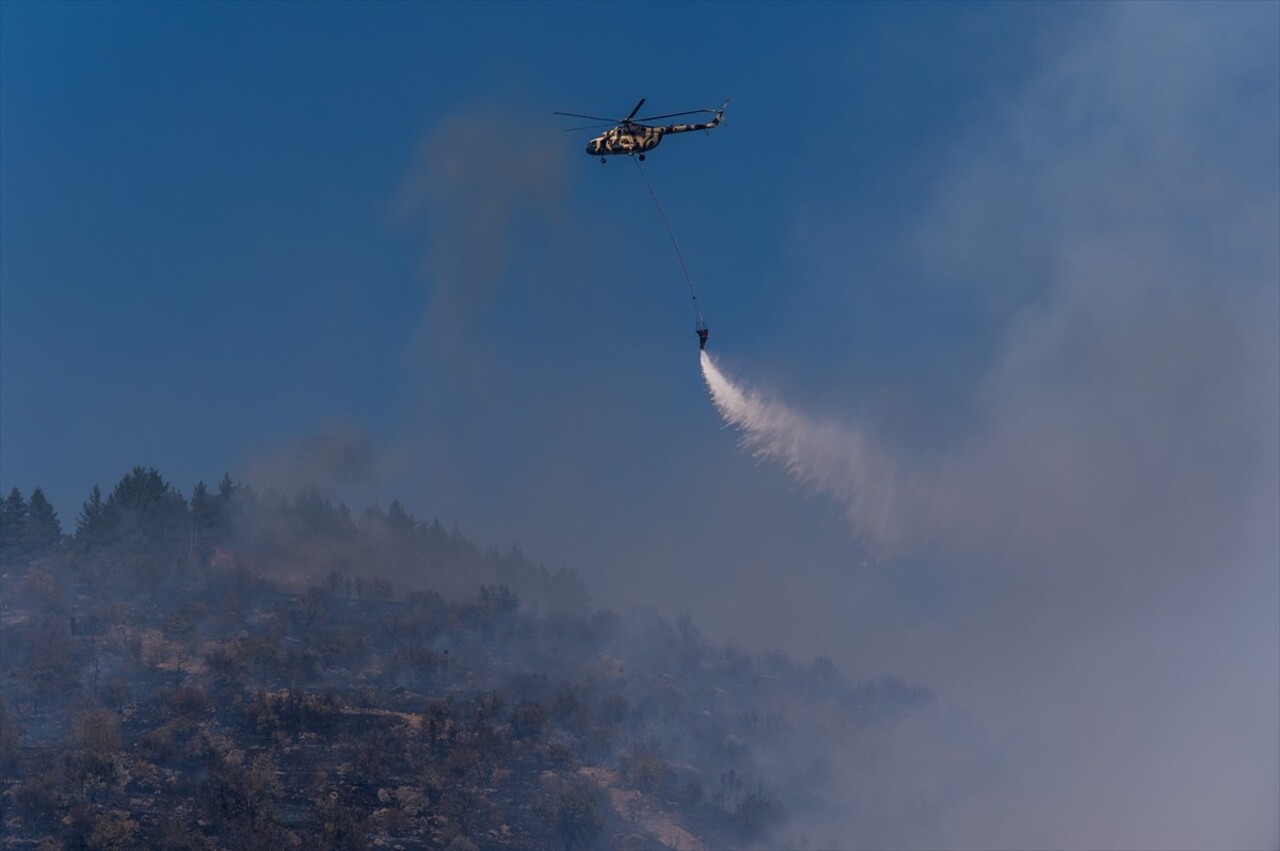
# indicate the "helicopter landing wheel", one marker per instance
pixel 603 161
pixel 642 158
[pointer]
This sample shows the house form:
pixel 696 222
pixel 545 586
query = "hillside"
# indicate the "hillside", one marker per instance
pixel 244 671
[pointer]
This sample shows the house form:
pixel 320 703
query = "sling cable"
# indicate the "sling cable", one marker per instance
pixel 700 323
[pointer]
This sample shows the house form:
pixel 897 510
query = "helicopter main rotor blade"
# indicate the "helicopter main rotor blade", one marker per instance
pixel 590 127
pixel 592 117
pixel 674 114
pixel 634 111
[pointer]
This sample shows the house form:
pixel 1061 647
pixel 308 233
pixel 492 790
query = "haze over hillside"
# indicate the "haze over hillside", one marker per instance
pixel 244 671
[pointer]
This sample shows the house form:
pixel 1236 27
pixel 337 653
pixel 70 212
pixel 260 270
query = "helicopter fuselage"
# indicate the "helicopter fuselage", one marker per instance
pixel 632 138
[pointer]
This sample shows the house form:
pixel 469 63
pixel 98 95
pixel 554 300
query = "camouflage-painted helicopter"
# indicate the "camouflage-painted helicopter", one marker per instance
pixel 631 137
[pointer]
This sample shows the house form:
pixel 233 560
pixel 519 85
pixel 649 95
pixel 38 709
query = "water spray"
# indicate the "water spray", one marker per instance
pixel 837 459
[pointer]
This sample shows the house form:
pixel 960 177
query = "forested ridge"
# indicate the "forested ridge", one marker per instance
pixel 241 670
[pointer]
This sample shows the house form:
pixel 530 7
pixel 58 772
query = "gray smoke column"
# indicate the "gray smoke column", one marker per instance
pixel 1101 531
pixel 338 461
pixel 480 176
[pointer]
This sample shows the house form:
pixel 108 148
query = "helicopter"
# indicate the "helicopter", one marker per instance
pixel 632 137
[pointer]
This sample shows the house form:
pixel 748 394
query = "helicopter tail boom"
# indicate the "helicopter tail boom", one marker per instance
pixel 716 118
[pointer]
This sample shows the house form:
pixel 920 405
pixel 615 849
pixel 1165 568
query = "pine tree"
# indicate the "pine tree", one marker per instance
pixel 92 522
pixel 44 532
pixel 204 512
pixel 398 519
pixel 14 515
pixel 144 523
pixel 145 514
pixel 211 515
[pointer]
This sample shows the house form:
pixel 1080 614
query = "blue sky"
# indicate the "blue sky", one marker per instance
pixel 200 238
pixel 1027 249
pixel 205 256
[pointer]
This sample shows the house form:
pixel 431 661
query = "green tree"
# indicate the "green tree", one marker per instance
pixel 144 506
pixel 144 522
pixel 496 609
pixel 91 525
pixel 400 521
pixel 44 532
pixel 204 513
pixel 14 514
pixel 212 516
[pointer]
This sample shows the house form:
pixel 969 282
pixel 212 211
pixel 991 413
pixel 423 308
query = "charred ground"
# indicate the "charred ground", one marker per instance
pixel 253 671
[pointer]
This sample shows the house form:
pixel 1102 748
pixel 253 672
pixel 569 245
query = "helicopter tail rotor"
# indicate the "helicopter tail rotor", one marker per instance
pixel 720 112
